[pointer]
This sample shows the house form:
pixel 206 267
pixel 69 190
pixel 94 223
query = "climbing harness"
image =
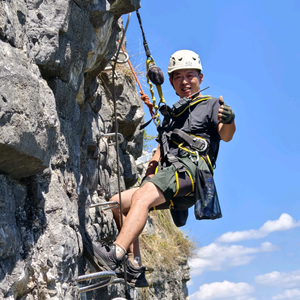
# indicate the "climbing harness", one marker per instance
pixel 155 76
pixel 189 145
pixel 195 146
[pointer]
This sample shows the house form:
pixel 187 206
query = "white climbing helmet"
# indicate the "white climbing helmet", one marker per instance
pixel 184 59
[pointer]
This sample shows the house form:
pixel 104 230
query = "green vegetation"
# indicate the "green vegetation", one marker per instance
pixel 149 142
pixel 167 247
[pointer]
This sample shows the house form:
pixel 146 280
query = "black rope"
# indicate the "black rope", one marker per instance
pixel 144 38
pixel 127 294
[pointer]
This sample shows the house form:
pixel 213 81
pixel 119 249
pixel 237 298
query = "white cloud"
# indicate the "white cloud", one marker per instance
pixel 216 257
pixel 223 290
pixel 288 294
pixel 285 280
pixel 285 222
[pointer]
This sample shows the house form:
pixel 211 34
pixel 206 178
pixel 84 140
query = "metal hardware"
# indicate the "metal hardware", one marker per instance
pixel 110 275
pixel 119 61
pixel 204 142
pixel 190 152
pixel 197 156
pixel 114 205
pixel 120 137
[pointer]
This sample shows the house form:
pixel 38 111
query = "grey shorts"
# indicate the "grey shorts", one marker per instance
pixel 169 182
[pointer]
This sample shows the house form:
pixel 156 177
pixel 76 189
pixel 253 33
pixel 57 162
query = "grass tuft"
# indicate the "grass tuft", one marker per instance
pixel 167 247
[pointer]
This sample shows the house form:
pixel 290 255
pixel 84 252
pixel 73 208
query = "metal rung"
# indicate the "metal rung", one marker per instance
pixel 118 280
pixel 122 59
pixel 120 137
pixel 115 204
pixel 106 274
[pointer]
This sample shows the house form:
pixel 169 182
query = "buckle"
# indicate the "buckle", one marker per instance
pixel 203 141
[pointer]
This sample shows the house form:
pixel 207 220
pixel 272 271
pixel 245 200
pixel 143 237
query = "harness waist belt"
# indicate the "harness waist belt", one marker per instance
pixel 196 143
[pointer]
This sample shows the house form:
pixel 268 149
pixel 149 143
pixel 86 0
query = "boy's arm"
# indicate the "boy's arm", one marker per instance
pixel 226 127
pixel 153 163
pixel 226 131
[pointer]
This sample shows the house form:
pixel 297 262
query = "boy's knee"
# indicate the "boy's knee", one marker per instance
pixel 142 198
pixel 137 197
pixel 114 198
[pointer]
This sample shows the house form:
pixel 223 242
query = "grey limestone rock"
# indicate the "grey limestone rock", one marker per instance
pixel 56 105
pixel 28 116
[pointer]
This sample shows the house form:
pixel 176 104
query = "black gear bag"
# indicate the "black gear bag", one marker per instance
pixel 207 203
pixel 179 216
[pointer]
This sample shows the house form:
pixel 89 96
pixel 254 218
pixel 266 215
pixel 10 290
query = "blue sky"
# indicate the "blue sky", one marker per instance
pixel 250 55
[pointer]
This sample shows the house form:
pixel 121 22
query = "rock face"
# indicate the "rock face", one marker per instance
pixel 56 109
pixel 28 117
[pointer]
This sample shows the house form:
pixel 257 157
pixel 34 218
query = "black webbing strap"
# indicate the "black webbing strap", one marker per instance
pixel 174 161
pixel 145 124
pixel 195 143
pixel 168 156
pixel 148 54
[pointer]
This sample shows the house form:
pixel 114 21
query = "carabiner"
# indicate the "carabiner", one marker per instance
pixel 197 156
pixel 190 152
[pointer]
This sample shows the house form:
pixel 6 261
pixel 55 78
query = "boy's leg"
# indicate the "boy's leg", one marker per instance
pixel 134 270
pixel 134 249
pixel 142 200
pixel 126 204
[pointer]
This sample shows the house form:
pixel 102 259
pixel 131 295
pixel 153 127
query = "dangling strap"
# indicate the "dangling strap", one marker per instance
pixel 167 156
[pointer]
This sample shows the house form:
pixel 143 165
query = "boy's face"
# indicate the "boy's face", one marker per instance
pixel 186 82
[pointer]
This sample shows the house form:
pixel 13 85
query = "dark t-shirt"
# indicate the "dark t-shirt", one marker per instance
pixel 201 119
